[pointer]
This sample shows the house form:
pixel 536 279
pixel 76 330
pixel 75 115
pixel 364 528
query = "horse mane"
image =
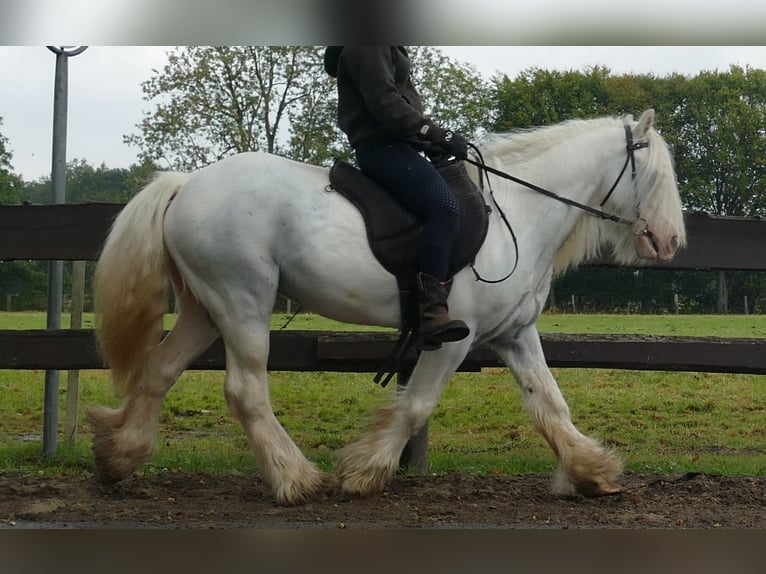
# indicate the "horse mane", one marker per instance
pixel 519 145
pixel 592 235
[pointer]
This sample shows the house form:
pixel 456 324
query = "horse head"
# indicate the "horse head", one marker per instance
pixel 649 196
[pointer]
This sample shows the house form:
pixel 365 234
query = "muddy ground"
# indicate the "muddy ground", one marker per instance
pixel 175 500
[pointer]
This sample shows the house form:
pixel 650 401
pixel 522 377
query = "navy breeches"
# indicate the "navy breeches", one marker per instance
pixel 417 185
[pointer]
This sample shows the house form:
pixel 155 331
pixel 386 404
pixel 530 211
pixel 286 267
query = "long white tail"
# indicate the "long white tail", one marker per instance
pixel 130 288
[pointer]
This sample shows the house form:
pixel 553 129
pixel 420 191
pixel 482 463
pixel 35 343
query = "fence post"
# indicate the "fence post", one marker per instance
pixel 73 377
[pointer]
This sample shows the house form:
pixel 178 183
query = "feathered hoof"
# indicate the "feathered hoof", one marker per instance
pixel 115 457
pixel 362 482
pixel 597 488
pixel 594 476
pixel 316 489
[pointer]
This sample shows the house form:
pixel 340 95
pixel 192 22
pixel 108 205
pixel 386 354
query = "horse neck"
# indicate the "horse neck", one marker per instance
pixel 578 176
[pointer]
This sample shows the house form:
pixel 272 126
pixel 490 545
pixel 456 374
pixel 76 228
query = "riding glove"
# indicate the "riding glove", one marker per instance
pixel 451 142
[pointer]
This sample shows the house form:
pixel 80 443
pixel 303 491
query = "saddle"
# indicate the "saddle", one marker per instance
pixel 393 231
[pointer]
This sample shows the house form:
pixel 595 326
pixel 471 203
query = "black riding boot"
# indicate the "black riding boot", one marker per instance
pixel 436 326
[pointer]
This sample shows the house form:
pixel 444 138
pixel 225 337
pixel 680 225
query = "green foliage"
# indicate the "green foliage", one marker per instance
pixel 10 184
pixel 540 97
pixel 719 135
pixel 24 284
pixel 455 94
pixel 314 134
pixel 85 183
pixel 618 289
pixel 214 101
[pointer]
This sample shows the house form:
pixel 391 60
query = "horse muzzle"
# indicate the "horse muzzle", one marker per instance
pixel 649 246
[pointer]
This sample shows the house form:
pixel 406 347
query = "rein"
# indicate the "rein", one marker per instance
pixel 630 147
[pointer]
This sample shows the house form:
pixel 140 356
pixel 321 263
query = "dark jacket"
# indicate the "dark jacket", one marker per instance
pixel 376 96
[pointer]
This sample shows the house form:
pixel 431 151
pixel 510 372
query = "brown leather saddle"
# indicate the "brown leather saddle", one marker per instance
pixel 393 231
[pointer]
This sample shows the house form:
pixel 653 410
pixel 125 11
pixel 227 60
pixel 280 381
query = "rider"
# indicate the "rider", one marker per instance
pixel 381 113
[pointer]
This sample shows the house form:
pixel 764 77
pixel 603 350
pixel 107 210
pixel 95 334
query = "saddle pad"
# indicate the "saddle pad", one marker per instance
pixel 393 231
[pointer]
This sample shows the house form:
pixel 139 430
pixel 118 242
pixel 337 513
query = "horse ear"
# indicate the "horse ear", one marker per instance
pixel 644 124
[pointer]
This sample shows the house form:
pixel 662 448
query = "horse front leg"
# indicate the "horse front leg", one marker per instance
pixel 365 466
pixel 585 466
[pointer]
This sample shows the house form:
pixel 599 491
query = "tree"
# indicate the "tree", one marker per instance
pixel 720 142
pixel 454 94
pixel 541 97
pixel 314 134
pixel 715 124
pixel 87 183
pixel 719 136
pixel 217 101
pixel 10 184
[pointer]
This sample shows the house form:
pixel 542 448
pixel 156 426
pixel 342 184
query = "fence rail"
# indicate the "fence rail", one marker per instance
pixel 77 231
pixel 365 352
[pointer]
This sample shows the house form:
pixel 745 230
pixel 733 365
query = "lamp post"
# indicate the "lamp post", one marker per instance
pixel 56 268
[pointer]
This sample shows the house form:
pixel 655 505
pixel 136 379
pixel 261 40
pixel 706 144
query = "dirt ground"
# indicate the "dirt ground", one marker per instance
pixel 452 501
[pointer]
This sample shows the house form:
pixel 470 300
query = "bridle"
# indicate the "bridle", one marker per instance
pixel 630 148
pixel 639 224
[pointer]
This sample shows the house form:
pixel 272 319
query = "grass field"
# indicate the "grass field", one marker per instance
pixel 659 422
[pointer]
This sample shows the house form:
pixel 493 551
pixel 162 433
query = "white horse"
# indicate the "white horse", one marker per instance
pixel 240 230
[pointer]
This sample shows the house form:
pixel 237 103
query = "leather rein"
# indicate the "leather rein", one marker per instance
pixel 630 147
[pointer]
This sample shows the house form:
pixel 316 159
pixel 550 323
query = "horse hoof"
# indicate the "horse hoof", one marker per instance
pixel 596 489
pixel 322 485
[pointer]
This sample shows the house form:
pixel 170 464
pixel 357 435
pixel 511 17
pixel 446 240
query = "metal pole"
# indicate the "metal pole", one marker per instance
pixel 55 272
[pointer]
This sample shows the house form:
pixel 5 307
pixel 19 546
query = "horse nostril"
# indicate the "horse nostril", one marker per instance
pixel 674 242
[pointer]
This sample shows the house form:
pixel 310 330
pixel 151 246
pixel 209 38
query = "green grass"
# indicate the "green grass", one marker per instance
pixel 745 326
pixel 659 422
pixel 672 325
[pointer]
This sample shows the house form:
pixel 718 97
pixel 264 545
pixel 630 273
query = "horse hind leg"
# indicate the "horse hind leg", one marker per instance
pixel 124 438
pixel 291 477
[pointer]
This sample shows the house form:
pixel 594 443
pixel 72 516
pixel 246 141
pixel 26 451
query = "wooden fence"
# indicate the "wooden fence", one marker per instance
pixel 77 231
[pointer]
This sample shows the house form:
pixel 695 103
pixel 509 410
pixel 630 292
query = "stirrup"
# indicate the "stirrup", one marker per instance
pixel 394 360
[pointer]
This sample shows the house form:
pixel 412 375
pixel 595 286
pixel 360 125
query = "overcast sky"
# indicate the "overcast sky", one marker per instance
pixel 105 98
